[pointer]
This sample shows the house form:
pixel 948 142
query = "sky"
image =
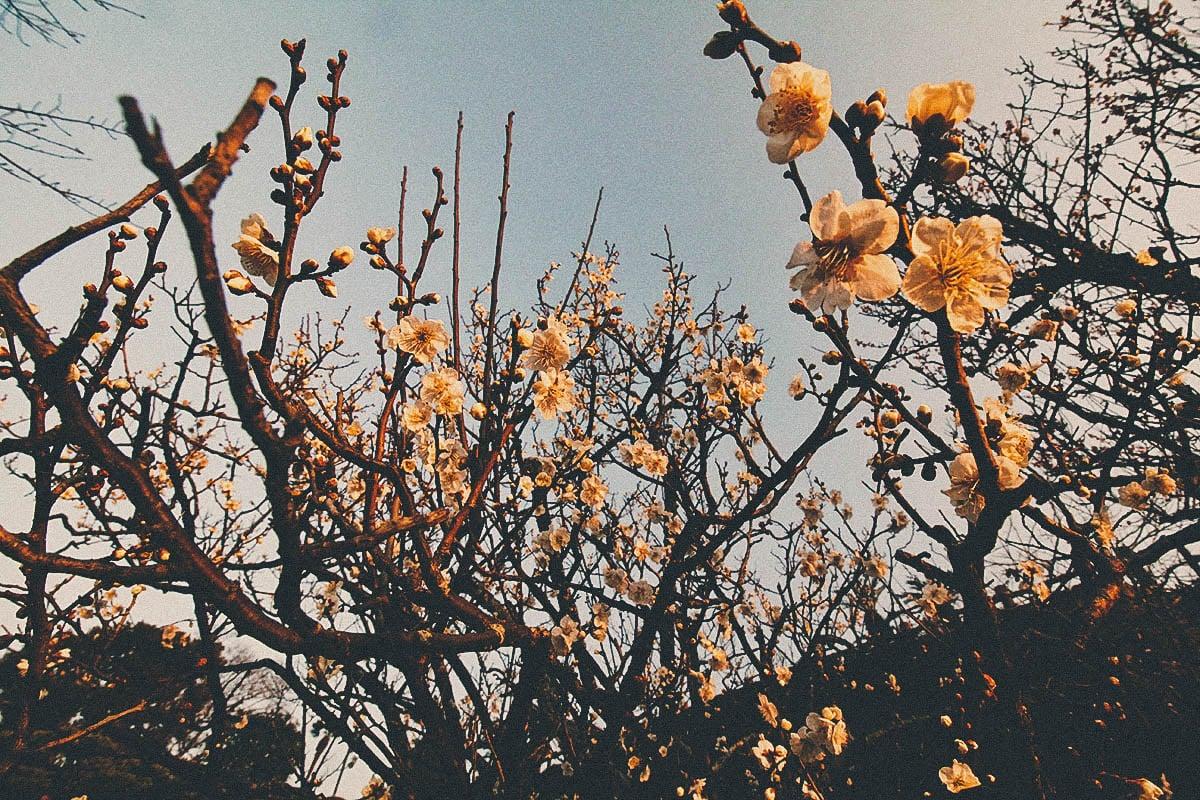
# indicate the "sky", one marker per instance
pixel 613 94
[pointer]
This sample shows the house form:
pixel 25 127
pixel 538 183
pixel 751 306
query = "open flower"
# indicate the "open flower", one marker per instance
pixel 964 492
pixel 958 268
pixel 422 338
pixel 935 108
pixel 554 391
pixel 845 261
pixel 795 115
pixel 958 776
pixel 255 248
pixel 443 390
pixel 548 349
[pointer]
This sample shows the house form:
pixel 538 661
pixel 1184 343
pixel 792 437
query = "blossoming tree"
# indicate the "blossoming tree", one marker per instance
pixel 560 550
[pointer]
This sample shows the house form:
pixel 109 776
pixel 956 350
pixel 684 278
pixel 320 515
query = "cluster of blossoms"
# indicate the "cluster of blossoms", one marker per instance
pixel 733 380
pixel 1137 494
pixel 824 733
pixel 547 350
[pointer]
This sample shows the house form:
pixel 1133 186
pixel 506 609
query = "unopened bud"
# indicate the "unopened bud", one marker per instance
pixel 327 287
pixel 952 167
pixel 341 257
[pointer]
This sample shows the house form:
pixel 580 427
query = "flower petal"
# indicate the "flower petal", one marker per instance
pixel 875 277
pixel 923 284
pixel 964 312
pixel 769 112
pixel 825 214
pixel 874 225
pixel 981 234
pixel 803 255
pixel 993 281
pixel 928 233
pixel 780 146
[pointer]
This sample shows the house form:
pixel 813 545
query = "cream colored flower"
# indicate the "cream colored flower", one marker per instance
pixel 795 116
pixel 958 268
pixel 254 246
pixel 957 777
pixel 547 349
pixel 935 108
pixel 845 261
pixel 593 491
pixel 553 391
pixel 416 415
pixel 828 729
pixel 443 391
pixel 421 338
pixel 964 492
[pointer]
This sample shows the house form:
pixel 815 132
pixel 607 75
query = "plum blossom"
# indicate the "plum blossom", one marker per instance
pixel 423 339
pixel 957 777
pixel 795 115
pixel 935 108
pixel 257 248
pixel 958 268
pixel 443 391
pixel 548 348
pixel 964 492
pixel 553 391
pixel 845 260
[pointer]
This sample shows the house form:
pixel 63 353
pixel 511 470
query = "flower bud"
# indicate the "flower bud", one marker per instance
pixel 479 411
pixel 238 283
pixel 924 414
pixel 303 138
pixel 327 287
pixel 952 167
pixel 128 231
pixel 341 257
pixel 733 12
pixel 122 283
pixel 874 114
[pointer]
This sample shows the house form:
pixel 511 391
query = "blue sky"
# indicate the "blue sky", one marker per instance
pixel 610 94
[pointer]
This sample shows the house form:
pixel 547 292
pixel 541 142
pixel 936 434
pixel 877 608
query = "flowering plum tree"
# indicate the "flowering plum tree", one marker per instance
pixel 547 547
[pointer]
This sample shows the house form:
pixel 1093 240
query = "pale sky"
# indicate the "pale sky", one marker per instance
pixel 613 94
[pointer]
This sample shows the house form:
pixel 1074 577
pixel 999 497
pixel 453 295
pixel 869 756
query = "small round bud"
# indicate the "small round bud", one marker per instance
pixel 479 411
pixel 952 167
